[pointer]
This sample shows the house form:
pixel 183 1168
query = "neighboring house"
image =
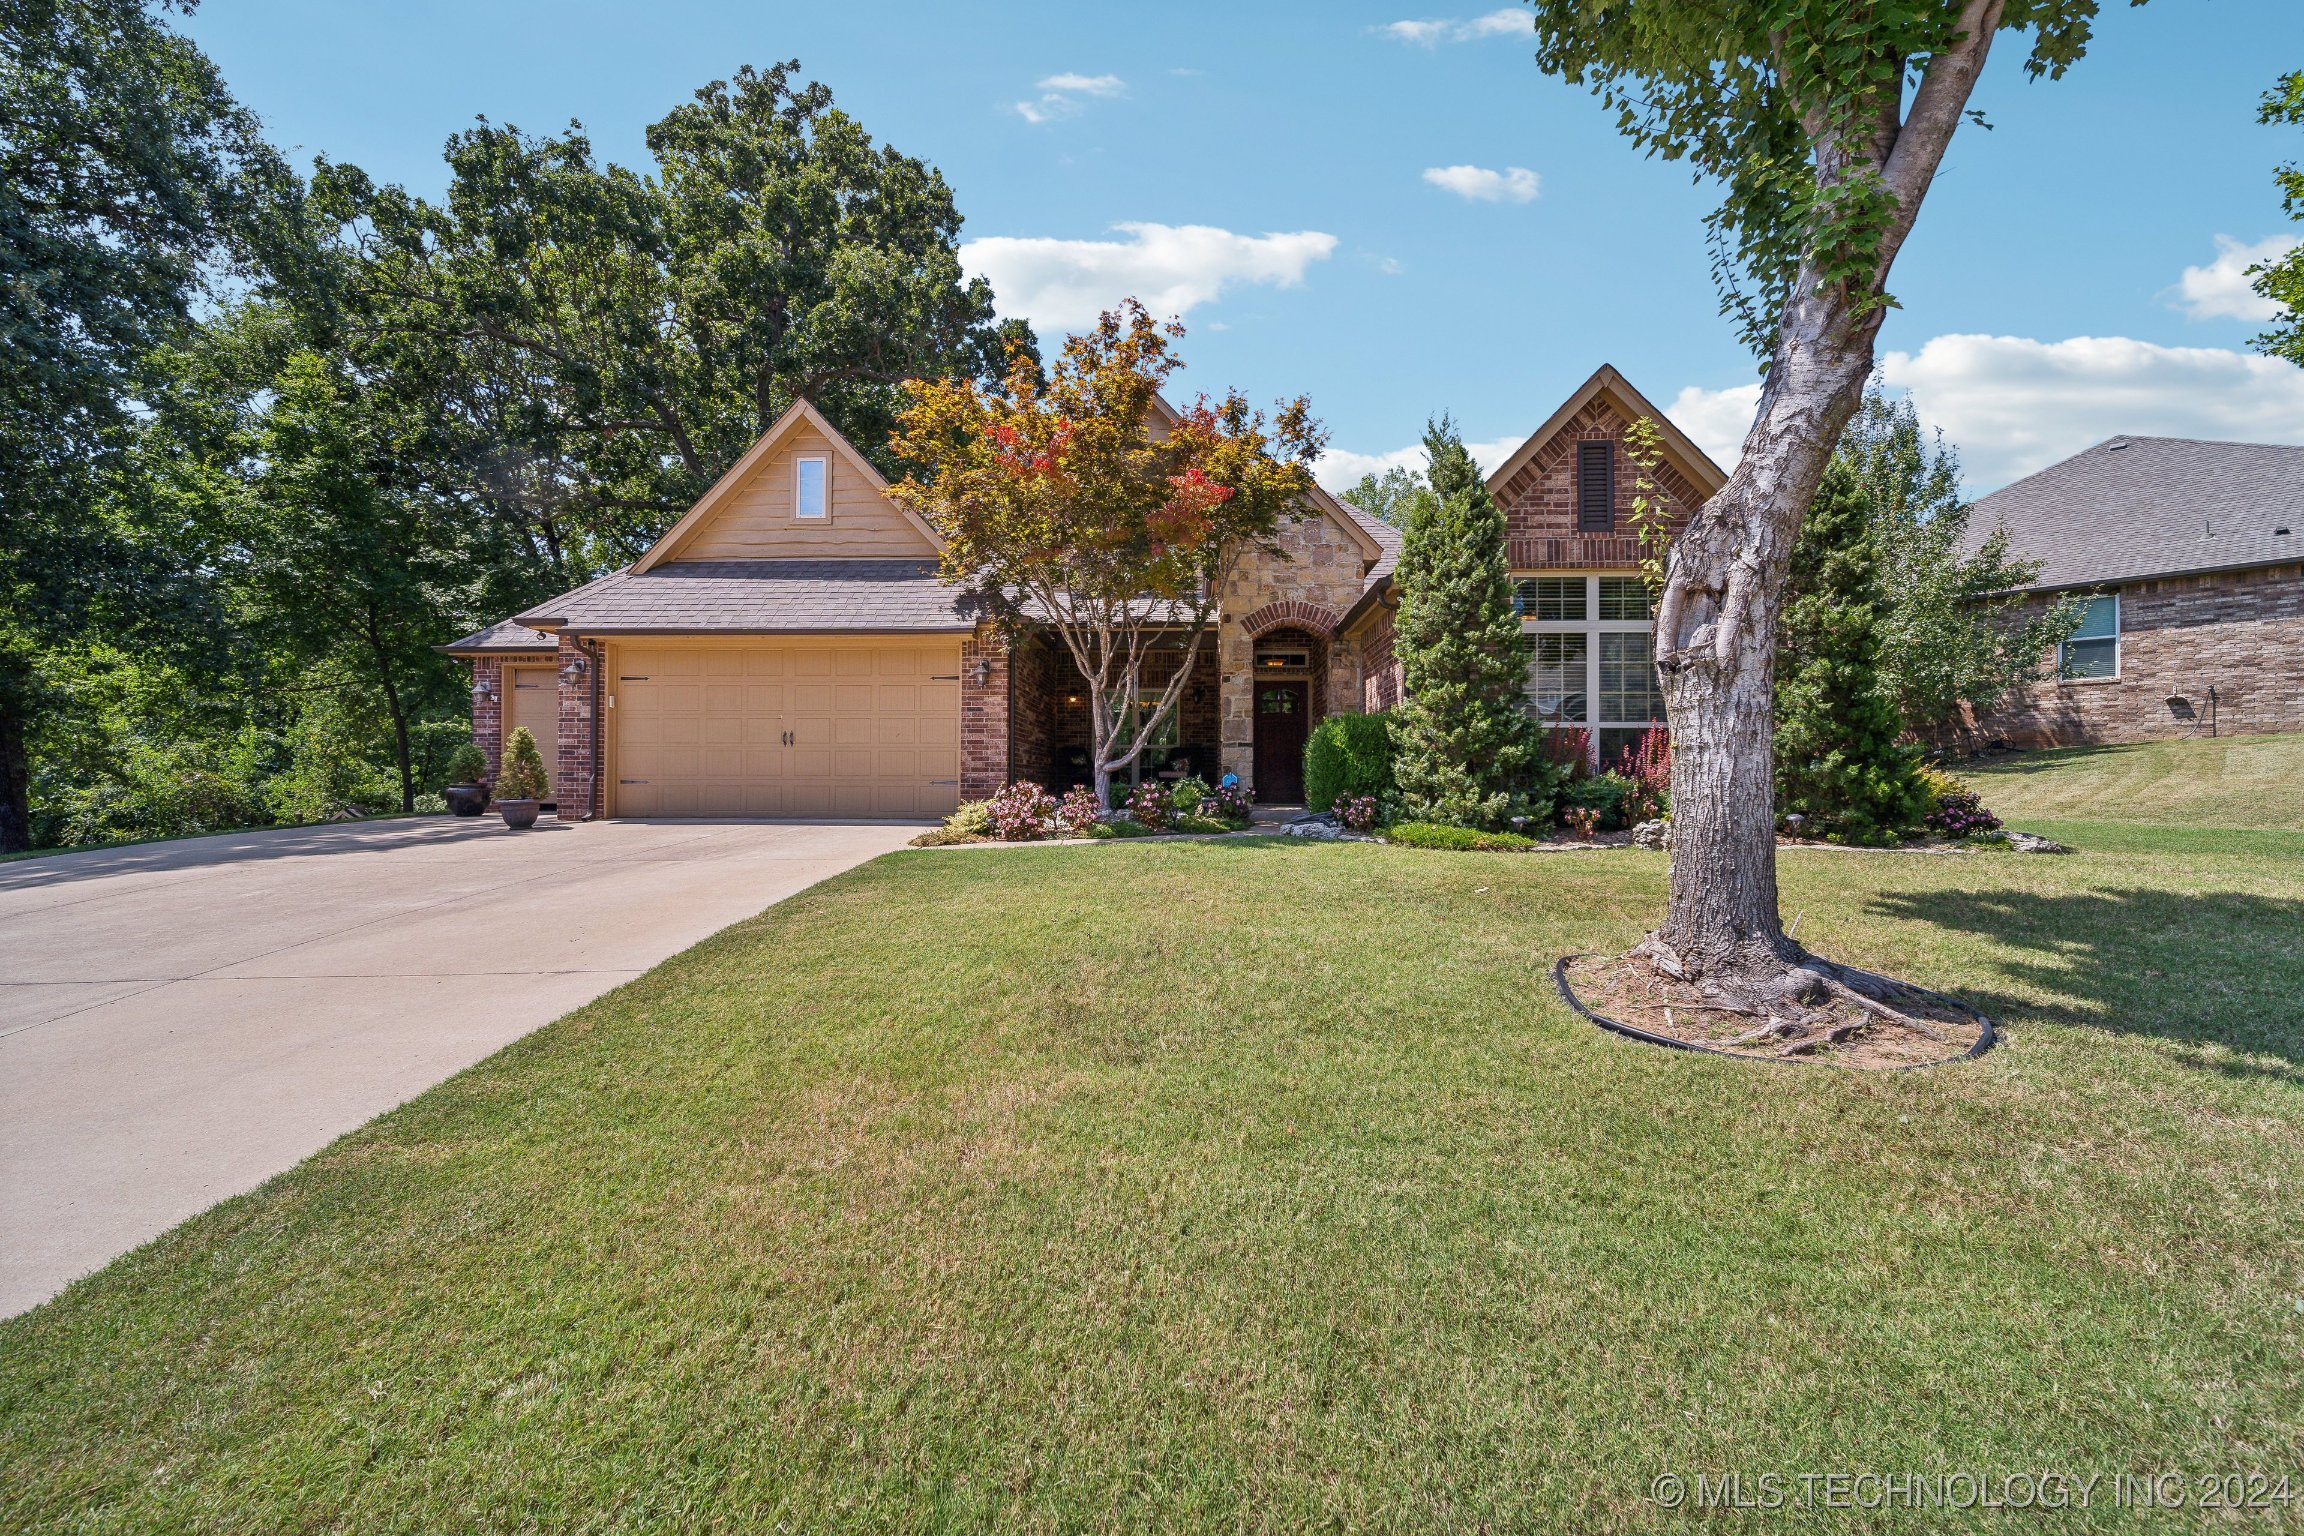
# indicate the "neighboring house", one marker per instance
pixel 787 649
pixel 2190 557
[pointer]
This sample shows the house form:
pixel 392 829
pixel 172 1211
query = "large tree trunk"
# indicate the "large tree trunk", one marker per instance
pixel 15 784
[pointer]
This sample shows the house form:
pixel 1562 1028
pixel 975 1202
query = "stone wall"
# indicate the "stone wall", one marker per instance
pixel 2239 632
pixel 1539 501
pixel 1319 573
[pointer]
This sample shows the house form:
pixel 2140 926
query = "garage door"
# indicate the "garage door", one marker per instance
pixel 785 728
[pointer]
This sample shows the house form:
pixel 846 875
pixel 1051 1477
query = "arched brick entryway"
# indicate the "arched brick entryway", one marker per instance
pixel 1311 616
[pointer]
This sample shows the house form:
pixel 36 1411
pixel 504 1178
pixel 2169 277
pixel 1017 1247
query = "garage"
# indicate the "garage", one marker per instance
pixel 807 726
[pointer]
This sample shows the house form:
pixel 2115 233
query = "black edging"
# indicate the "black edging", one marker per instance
pixel 1984 1041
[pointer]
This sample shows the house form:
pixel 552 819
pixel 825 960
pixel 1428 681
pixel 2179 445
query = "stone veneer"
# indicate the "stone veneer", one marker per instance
pixel 2240 632
pixel 1321 569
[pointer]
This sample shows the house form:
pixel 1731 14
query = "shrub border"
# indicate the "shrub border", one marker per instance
pixel 1984 1041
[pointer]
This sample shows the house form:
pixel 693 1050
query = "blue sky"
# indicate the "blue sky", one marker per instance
pixel 1388 207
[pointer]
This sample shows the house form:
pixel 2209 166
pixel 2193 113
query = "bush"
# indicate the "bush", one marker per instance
pixel 1348 755
pixel 467 764
pixel 432 805
pixel 1649 767
pixel 1603 795
pixel 1195 822
pixel 1079 810
pixel 522 777
pixel 1185 797
pixel 1021 812
pixel 1147 805
pixel 1961 813
pixel 1227 803
pixel 1358 812
pixel 1426 834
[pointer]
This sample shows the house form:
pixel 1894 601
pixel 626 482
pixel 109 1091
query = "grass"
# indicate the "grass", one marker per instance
pixel 1257 1185
pixel 2227 781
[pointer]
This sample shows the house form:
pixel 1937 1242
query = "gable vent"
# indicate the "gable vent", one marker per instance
pixel 1596 487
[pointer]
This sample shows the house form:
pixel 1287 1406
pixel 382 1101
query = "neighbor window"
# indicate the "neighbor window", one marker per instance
pixel 2094 649
pixel 1594 661
pixel 809 474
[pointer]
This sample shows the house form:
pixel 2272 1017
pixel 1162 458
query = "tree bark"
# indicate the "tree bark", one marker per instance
pixel 1724 581
pixel 15 784
pixel 399 716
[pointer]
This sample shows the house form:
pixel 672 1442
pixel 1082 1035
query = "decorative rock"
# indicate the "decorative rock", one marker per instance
pixel 1311 828
pixel 2023 842
pixel 1652 834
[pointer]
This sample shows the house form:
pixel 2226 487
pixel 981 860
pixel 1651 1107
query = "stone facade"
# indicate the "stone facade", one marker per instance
pixel 2238 632
pixel 1539 501
pixel 1314 579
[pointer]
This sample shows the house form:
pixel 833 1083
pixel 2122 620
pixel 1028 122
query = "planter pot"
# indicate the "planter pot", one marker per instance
pixel 466 799
pixel 519 813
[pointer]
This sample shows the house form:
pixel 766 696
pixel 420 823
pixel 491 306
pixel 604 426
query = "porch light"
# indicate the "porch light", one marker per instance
pixel 483 691
pixel 982 672
pixel 575 670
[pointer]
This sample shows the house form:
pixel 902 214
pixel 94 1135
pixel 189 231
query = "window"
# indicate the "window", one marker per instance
pixel 2094 649
pixel 1168 735
pixel 810 472
pixel 1596 487
pixel 1594 659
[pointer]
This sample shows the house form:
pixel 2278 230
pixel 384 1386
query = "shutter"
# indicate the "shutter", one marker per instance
pixel 1596 487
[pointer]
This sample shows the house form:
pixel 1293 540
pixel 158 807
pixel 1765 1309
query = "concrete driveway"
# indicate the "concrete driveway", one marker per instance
pixel 181 1021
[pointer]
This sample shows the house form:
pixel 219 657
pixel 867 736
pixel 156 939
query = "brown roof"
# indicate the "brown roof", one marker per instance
pixel 2137 507
pixel 702 597
pixel 507 635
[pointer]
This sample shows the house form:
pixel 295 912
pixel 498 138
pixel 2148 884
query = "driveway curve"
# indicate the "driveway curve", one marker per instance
pixel 180 1021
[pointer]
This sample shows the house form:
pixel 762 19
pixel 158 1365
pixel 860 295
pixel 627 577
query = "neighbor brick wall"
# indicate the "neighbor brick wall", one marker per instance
pixel 576 779
pixel 1539 501
pixel 984 715
pixel 2242 632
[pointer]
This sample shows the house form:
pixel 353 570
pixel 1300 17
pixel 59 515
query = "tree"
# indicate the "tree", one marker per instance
pixel 604 342
pixel 1825 126
pixel 2282 281
pixel 130 184
pixel 1464 751
pixel 1840 762
pixel 1952 631
pixel 1079 503
pixel 1392 497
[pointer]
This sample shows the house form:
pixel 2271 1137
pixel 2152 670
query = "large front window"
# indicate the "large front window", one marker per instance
pixel 1595 657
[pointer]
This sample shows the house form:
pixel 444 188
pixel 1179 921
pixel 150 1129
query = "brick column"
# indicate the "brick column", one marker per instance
pixel 488 712
pixel 983 715
pixel 576 778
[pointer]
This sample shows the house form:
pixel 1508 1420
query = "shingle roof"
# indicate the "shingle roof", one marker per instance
pixel 762 597
pixel 507 635
pixel 1387 538
pixel 2134 507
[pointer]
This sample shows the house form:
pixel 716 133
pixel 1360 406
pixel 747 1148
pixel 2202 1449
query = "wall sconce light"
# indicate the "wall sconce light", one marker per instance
pixel 1072 698
pixel 982 672
pixel 483 691
pixel 575 670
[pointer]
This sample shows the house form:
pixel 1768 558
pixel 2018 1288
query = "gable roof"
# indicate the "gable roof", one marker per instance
pixel 1327 505
pixel 2136 507
pixel 1608 385
pixel 503 637
pixel 800 413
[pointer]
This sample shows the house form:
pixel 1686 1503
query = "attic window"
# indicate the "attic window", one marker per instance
pixel 810 471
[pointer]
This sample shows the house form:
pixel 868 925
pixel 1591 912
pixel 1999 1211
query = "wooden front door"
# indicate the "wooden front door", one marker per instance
pixel 1281 726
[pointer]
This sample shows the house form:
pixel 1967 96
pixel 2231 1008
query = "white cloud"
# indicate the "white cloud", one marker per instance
pixel 1060 95
pixel 1340 469
pixel 1513 184
pixel 1065 284
pixel 2221 290
pixel 2013 406
pixel 1432 32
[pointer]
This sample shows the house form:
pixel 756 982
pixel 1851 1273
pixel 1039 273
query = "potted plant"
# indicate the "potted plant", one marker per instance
pixel 467 791
pixel 522 784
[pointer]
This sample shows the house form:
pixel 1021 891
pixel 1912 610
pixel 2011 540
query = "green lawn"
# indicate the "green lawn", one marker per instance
pixel 2226 781
pixel 1247 1186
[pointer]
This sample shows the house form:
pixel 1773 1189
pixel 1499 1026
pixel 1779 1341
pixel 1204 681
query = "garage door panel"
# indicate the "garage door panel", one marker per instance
pixel 787 728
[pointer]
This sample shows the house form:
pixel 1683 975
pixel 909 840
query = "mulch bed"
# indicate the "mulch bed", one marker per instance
pixel 1625 993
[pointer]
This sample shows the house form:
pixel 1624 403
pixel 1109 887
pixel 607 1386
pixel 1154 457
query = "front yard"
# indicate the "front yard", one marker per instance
pixel 1254 1186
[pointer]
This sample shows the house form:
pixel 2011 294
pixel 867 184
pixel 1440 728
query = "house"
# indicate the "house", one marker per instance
pixel 787 649
pixel 2189 556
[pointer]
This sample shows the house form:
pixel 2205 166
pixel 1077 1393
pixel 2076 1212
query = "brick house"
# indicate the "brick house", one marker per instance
pixel 2190 557
pixel 787 649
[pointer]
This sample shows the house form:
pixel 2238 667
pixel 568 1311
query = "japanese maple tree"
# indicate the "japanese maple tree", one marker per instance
pixel 1079 501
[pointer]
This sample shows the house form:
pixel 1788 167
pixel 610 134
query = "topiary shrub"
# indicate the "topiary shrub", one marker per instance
pixel 467 764
pixel 1426 834
pixel 522 776
pixel 1348 755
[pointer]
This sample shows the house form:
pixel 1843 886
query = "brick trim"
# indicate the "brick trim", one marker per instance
pixel 1291 613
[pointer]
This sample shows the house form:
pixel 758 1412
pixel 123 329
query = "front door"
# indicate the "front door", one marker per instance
pixel 535 703
pixel 1280 729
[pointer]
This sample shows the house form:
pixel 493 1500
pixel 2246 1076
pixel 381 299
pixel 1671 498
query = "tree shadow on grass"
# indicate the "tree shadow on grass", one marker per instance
pixel 2216 969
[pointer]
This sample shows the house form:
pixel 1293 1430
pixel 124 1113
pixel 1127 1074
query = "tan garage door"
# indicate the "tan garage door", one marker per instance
pixel 785 727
